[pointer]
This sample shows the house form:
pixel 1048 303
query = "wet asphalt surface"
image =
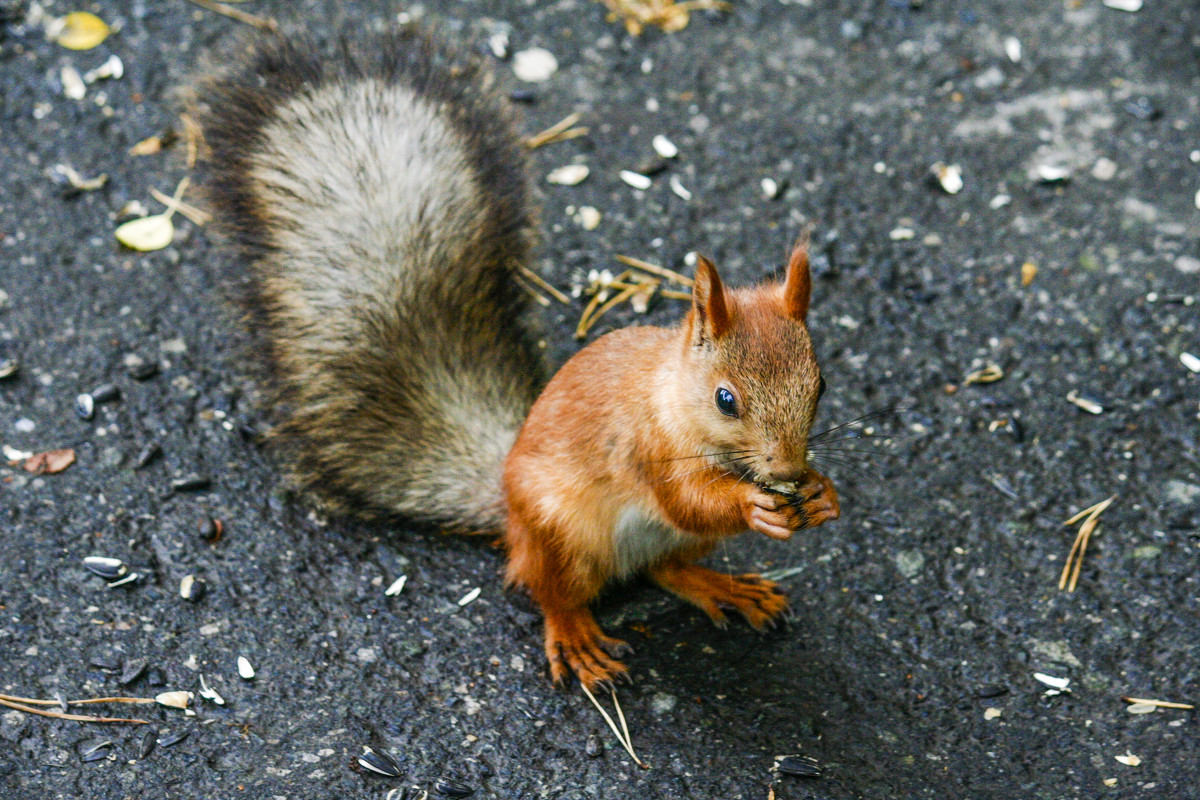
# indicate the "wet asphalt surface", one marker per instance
pixel 920 617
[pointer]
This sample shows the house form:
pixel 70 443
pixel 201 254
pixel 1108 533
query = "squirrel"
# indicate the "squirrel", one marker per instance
pixel 380 201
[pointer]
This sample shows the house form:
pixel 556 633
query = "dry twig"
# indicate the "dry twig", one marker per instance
pixel 558 132
pixel 1070 573
pixel 262 23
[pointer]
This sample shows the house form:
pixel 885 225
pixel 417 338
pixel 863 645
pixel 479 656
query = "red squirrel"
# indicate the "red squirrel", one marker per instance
pixel 379 199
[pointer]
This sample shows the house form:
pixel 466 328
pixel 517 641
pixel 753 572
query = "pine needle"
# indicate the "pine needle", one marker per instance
pixel 262 23
pixel 1159 703
pixel 662 272
pixel 558 132
pixel 622 739
pixel 541 282
pixel 1070 574
pixel 41 712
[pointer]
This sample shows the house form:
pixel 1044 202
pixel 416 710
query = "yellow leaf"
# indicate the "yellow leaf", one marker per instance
pixel 82 31
pixel 148 233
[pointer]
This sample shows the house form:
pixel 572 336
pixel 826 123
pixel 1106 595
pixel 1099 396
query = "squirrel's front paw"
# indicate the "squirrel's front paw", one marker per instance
pixel 772 514
pixel 817 500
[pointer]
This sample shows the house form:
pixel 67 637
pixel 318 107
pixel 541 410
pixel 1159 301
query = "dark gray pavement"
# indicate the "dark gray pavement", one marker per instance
pixel 937 586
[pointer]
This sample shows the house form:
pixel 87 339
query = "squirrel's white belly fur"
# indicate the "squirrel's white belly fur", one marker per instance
pixel 642 537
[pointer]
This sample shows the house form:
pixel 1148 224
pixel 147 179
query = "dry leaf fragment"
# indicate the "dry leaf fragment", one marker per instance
pixel 50 462
pixel 82 31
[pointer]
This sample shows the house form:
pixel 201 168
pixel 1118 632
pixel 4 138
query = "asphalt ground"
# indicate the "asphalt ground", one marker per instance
pixel 920 618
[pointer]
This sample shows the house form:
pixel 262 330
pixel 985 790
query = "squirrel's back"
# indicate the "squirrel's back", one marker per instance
pixel 378 194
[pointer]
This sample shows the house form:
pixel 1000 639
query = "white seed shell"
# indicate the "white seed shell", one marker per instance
pixel 394 589
pixel 534 65
pixel 174 699
pixel 73 85
pixel 1051 681
pixel 635 179
pixel 244 668
pixel 470 596
pixel 569 175
pixel 664 146
pixel 681 191
pixel 1190 361
pixel 148 233
pixel 1124 5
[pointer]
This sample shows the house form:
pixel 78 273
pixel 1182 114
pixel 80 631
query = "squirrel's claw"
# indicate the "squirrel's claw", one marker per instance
pixel 575 644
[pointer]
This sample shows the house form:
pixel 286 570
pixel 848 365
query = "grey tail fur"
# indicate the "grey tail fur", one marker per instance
pixel 379 196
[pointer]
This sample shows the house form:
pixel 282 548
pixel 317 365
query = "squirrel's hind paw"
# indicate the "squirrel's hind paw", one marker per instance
pixel 575 644
pixel 757 599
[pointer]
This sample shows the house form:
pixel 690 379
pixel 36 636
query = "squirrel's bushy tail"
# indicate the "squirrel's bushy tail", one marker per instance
pixel 379 197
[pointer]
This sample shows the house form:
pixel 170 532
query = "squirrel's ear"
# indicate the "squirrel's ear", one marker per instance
pixel 711 308
pixel 798 287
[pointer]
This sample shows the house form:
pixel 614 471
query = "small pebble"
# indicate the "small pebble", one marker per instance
pixel 211 529
pixel 133 670
pixel 1012 49
pixel 72 83
pixel 992 690
pixel 523 96
pixel 594 747
pixel 588 218
pixel 1142 108
pixel 1104 169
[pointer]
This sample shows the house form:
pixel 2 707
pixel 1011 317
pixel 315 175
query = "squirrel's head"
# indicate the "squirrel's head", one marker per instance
pixel 752 381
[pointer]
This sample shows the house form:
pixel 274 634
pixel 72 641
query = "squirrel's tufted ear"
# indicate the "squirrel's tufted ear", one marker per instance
pixel 711 320
pixel 798 287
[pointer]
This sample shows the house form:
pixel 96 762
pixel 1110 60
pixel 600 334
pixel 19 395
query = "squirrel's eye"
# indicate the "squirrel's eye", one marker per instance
pixel 726 403
pixel 821 387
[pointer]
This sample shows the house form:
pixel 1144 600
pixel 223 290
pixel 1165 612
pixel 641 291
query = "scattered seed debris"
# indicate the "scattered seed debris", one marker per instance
pixel 569 175
pixel 669 15
pixel 80 30
pixel 1088 405
pixel 949 176
pixel 989 374
pixel 191 589
pixel 147 455
pixel 211 529
pixel 797 766
pixel 209 693
pixel 132 577
pixel 1057 685
pixel 107 568
pixel 1104 169
pixel 111 68
pixel 664 146
pixel 1012 49
pixel 453 788
pixel 50 462
pixel 470 596
pixel 1141 708
pixel 1070 573
pixel 72 83
pixel 190 483
pixel 678 188
pixel 9 367
pixel 1129 759
pixel 594 748
pixel 96 752
pixel 172 738
pixel 244 668
pixel 153 232
pixel 396 587
pixel 1124 5
pixel 379 762
pixel 1190 361
pixel 146 746
pixel 534 65
pixel 992 713
pixel 176 699
pixel 85 406
pixel 771 188
pixel 78 183
pixel 636 179
pixel 587 218
pixel 1156 703
pixel 14 455
pixel 1029 271
pixel 901 234
pixel 1000 201
pixel 1052 173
